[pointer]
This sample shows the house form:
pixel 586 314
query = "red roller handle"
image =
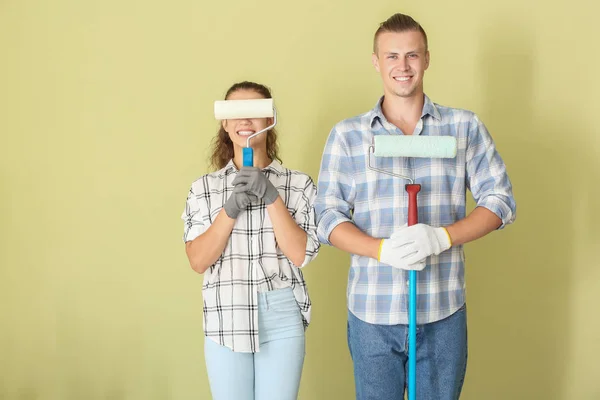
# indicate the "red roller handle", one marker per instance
pixel 413 213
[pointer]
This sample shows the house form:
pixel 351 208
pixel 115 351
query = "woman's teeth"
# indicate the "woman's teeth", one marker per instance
pixel 245 133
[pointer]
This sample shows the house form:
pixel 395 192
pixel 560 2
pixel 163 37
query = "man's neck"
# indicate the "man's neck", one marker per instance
pixel 404 112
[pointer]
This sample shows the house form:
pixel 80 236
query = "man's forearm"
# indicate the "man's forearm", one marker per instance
pixel 481 221
pixel 347 237
pixel 478 223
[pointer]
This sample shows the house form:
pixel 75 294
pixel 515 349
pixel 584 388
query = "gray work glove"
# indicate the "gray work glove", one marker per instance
pixel 237 202
pixel 252 181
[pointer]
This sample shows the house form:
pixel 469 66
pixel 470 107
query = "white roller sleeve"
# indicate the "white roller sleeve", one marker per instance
pixel 415 146
pixel 238 109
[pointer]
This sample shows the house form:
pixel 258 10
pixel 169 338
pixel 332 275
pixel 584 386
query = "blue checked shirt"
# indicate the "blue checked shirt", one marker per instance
pixel 348 191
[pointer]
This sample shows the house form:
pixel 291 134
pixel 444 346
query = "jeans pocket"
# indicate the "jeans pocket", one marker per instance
pixel 286 307
pixel 281 301
pixel 280 321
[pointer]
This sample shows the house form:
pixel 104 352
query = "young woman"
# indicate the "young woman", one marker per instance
pixel 249 230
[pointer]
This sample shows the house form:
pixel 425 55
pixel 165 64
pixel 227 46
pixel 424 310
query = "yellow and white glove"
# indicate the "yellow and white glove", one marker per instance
pixel 409 246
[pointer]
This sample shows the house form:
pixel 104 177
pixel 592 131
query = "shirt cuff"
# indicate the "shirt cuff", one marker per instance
pixel 498 207
pixel 312 249
pixel 193 232
pixel 328 223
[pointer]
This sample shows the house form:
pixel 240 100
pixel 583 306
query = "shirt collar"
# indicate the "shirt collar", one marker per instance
pixel 429 108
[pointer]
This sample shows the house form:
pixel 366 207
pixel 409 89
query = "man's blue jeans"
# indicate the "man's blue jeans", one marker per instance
pixel 380 357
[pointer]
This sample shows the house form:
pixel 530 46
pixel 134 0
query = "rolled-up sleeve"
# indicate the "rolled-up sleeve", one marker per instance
pixel 487 178
pixel 192 216
pixel 305 218
pixel 336 188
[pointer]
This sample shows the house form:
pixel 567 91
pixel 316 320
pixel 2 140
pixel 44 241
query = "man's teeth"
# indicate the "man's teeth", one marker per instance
pixel 402 78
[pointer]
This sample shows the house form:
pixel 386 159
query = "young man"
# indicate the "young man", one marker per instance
pixel 364 213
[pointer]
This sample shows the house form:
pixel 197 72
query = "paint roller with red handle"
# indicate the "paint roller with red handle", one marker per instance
pixel 423 147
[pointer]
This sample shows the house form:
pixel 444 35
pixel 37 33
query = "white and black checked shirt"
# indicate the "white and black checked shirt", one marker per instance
pixel 251 262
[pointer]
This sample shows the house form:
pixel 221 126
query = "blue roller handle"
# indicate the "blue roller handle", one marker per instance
pixel 412 336
pixel 413 218
pixel 248 156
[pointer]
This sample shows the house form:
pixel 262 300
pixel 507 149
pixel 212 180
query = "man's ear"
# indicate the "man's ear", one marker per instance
pixel 375 61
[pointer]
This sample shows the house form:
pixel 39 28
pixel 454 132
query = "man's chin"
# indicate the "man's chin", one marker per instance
pixel 405 93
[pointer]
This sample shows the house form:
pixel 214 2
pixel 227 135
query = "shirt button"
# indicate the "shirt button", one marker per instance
pixel 407 283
